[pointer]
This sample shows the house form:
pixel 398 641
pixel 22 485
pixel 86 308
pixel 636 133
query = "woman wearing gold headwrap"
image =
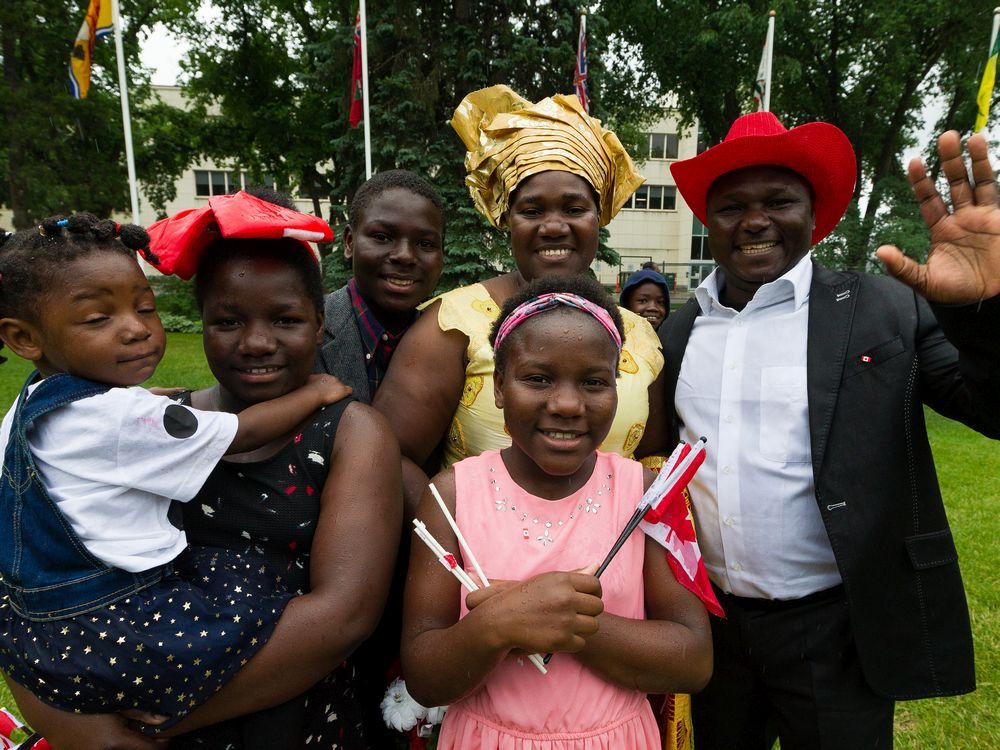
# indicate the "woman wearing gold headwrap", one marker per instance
pixel 552 176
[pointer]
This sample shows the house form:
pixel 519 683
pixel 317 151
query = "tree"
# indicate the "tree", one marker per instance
pixel 278 72
pixel 867 67
pixel 58 154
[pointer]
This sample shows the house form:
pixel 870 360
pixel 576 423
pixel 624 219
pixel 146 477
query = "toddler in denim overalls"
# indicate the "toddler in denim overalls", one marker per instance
pixel 104 606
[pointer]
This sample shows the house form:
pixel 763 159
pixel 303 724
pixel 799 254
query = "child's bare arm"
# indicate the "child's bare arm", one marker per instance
pixel 444 657
pixel 261 423
pixel 670 652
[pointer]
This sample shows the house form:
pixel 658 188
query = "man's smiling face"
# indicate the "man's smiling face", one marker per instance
pixel 760 223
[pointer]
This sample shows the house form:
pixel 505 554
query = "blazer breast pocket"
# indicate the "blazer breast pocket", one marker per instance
pixel 873 357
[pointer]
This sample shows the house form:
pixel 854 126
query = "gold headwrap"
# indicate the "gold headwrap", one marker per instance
pixel 510 139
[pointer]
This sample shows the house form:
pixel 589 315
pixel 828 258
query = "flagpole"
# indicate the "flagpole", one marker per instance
pixel 364 89
pixel 996 28
pixel 770 56
pixel 126 117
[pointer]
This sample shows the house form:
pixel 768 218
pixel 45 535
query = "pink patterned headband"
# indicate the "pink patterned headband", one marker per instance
pixel 544 302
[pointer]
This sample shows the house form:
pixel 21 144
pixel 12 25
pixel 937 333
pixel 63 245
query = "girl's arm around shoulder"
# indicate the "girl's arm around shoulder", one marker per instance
pixel 261 423
pixel 446 658
pixel 671 650
pixel 353 553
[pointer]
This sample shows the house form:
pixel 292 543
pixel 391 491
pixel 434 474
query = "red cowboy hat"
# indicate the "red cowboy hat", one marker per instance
pixel 818 151
pixel 178 242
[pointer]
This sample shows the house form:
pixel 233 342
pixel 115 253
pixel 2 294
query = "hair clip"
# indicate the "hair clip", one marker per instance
pixel 118 229
pixel 62 223
pixel 41 231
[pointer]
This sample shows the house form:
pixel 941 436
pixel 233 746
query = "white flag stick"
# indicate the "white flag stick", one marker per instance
pixel 364 89
pixel 535 659
pixel 126 117
pixel 769 56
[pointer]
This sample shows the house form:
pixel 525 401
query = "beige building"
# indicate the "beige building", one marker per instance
pixel 656 225
pixel 207 178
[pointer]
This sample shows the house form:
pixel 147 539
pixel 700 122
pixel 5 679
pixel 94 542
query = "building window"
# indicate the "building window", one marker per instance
pixel 702 142
pixel 663 145
pixel 699 241
pixel 653 198
pixel 208 182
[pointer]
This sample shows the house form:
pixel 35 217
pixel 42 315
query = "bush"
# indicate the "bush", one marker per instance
pixel 179 324
pixel 175 297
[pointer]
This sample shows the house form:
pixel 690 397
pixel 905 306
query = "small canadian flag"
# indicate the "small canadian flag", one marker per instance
pixel 866 358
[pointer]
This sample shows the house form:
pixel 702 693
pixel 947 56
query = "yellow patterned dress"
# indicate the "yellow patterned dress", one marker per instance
pixel 478 425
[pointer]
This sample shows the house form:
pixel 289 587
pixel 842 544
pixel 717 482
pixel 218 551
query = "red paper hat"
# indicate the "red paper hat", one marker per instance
pixel 178 241
pixel 818 151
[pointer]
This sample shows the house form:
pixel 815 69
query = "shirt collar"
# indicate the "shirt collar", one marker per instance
pixel 371 330
pixel 793 284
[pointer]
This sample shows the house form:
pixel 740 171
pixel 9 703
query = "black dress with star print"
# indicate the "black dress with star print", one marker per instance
pixel 271 507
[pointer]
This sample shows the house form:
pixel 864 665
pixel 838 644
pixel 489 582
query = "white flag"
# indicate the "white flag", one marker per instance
pixel 761 84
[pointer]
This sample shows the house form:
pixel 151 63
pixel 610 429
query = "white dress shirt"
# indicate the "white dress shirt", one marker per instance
pixel 742 385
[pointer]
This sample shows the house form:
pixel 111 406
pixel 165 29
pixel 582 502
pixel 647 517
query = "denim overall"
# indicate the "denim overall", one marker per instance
pixel 45 570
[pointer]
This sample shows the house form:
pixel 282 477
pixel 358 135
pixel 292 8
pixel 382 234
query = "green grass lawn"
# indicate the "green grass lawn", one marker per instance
pixel 969 471
pixel 183 365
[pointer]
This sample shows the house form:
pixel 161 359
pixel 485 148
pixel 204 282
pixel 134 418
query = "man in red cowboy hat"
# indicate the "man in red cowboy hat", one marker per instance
pixel 818 509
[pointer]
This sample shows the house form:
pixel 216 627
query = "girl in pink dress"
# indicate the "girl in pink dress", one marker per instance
pixel 540 516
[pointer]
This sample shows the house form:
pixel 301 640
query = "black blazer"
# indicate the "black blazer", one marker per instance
pixel 872 465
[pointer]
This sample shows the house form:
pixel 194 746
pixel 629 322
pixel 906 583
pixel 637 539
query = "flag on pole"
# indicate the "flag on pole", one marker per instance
pixel 580 76
pixel 96 23
pixel 985 94
pixel 357 92
pixel 671 525
pixel 674 531
pixel 760 84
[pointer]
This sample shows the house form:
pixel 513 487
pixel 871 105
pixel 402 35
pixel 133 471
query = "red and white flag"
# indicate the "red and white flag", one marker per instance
pixel 8 724
pixel 357 94
pixel 580 75
pixel 669 522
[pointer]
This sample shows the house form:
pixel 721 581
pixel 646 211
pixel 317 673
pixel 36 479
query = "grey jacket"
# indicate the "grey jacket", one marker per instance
pixel 342 354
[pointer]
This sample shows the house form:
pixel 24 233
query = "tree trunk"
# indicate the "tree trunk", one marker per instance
pixel 16 189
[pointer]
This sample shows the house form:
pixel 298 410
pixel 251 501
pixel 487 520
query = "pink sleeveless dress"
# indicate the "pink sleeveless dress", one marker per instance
pixel 516 536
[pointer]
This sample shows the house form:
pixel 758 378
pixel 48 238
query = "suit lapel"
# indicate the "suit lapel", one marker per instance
pixel 342 352
pixel 832 300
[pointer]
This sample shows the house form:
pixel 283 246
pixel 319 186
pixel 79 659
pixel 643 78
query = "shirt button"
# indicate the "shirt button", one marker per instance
pixel 385 336
pixel 732 365
pixel 368 355
pixel 739 323
pixel 729 521
pixel 736 566
pixel 727 469
pixel 729 418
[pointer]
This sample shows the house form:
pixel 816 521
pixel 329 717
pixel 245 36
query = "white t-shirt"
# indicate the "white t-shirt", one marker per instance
pixel 113 462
